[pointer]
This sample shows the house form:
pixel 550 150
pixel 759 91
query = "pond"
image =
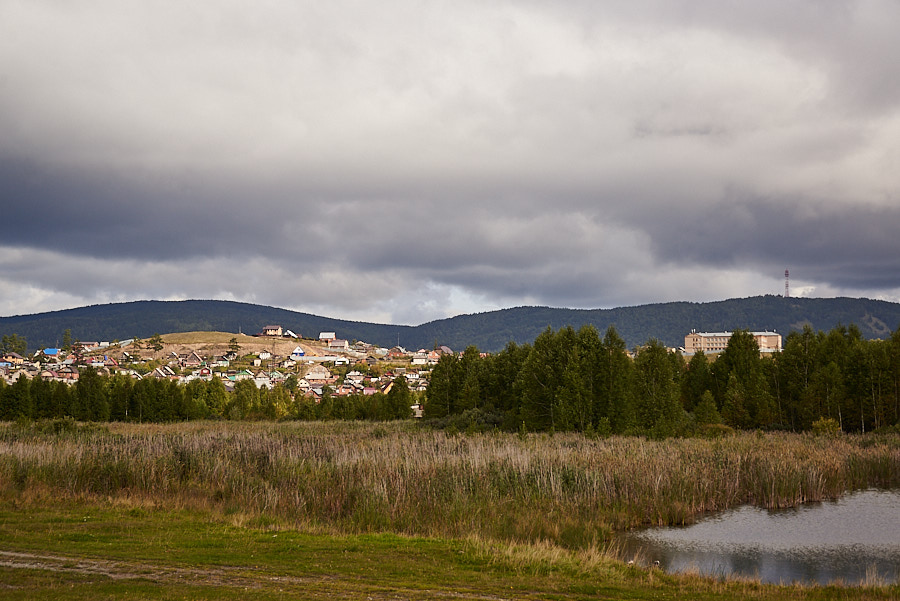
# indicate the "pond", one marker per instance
pixel 851 540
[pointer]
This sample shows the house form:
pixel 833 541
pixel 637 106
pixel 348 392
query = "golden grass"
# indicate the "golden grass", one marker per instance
pixel 218 343
pixel 206 338
pixel 360 477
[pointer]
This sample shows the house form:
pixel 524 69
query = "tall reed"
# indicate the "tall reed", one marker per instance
pixel 357 477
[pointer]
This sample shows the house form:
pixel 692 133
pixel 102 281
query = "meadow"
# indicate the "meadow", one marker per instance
pixel 528 501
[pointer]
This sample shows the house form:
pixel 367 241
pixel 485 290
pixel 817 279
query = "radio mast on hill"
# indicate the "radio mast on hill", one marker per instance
pixel 787 287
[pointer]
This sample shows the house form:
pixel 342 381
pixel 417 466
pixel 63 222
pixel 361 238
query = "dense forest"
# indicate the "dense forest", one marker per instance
pixel 489 331
pixel 100 398
pixel 577 380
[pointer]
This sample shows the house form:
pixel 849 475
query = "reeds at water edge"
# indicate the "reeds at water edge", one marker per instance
pixel 358 477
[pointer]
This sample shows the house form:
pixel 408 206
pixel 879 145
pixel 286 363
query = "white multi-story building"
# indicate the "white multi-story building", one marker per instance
pixel 715 342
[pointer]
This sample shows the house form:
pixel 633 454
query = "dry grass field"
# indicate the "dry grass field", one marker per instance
pixel 205 510
pixel 359 477
pixel 217 343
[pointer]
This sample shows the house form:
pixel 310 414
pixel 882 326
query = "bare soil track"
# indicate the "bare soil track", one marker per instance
pixel 224 576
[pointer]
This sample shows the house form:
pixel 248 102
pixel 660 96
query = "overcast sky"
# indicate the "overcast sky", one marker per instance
pixel 402 161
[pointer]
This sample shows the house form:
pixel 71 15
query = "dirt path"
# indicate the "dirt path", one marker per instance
pixel 223 576
pixel 120 570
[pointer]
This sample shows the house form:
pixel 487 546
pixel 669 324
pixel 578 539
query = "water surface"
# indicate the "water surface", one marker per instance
pixel 849 540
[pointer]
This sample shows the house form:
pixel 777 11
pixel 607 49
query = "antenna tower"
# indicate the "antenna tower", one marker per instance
pixel 787 286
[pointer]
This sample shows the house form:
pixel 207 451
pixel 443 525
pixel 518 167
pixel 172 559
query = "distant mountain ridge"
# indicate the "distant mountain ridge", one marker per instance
pixel 489 331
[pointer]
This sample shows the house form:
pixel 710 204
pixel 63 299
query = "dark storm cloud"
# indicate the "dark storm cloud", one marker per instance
pixel 406 161
pixel 847 246
pixel 148 217
pixel 92 214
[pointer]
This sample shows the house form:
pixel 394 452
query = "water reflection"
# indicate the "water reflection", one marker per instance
pixel 849 540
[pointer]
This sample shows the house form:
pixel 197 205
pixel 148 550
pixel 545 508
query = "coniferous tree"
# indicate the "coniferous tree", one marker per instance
pixel 541 377
pixel 706 413
pixel 141 399
pixel 15 402
pixel 13 343
pixel 441 397
pixel 734 407
pixel 696 381
pixel 66 341
pixel 468 379
pixel 61 400
pixel 618 377
pixel 741 359
pixel 91 396
pixel 657 389
pixel 580 399
pixel 398 400
pixel 41 392
pixel 500 376
pixel 325 408
pixel 155 343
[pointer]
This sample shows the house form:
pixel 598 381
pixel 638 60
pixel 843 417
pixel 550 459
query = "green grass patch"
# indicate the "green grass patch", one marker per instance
pixel 107 551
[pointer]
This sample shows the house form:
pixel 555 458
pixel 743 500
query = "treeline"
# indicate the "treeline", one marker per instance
pixel 576 380
pixel 100 398
pixel 566 380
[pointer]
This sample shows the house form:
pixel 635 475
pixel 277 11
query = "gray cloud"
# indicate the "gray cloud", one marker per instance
pixel 404 162
pixel 848 247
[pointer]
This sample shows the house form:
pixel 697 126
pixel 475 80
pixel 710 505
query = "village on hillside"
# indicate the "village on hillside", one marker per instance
pixel 275 356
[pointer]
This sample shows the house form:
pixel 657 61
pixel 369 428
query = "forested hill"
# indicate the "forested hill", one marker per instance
pixel 119 321
pixel 490 331
pixel 669 322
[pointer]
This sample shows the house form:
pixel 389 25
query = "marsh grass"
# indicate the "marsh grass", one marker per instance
pixel 566 489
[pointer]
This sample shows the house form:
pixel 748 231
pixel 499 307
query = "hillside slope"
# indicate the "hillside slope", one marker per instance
pixel 668 322
pixel 489 331
pixel 118 321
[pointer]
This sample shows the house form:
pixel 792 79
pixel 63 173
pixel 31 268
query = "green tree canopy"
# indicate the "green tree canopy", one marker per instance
pixel 155 343
pixel 13 343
